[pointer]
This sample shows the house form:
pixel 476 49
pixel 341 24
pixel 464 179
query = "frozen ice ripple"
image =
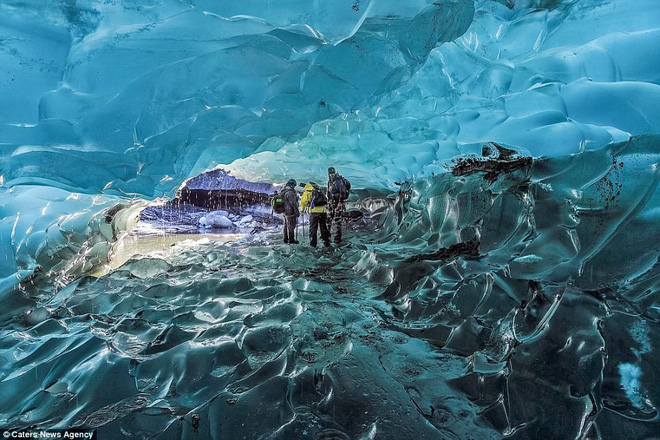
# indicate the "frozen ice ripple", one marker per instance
pixel 483 303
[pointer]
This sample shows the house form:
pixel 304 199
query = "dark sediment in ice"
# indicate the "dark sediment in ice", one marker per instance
pixel 495 160
pixel 468 250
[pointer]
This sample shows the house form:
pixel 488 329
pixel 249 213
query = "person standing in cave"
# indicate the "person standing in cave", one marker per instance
pixel 291 211
pixel 314 201
pixel 338 189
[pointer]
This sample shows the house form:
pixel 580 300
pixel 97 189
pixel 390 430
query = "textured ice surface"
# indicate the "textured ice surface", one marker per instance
pixel 464 307
pixel 520 303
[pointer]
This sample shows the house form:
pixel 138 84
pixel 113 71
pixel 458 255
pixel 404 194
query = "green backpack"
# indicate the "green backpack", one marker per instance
pixel 277 203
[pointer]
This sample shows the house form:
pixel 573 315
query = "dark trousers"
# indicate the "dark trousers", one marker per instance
pixel 318 220
pixel 288 233
pixel 336 218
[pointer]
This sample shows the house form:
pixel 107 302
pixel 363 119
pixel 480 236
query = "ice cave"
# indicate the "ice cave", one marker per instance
pixel 499 272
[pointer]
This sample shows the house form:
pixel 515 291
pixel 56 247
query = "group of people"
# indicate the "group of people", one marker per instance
pixel 326 207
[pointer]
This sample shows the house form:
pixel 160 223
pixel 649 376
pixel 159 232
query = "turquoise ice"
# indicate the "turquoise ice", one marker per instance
pixel 546 321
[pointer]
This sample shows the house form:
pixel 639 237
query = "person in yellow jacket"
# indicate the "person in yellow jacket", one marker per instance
pixel 314 201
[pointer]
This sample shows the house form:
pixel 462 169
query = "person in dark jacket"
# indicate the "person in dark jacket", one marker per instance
pixel 338 189
pixel 314 201
pixel 291 211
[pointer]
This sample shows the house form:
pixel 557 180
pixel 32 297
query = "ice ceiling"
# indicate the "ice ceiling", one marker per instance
pixel 105 102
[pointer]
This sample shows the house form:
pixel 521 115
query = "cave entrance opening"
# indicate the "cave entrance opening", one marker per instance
pixel 214 206
pixel 214 202
pixel 211 206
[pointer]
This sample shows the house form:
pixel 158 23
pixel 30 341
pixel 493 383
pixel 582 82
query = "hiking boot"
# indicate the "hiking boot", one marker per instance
pixel 294 242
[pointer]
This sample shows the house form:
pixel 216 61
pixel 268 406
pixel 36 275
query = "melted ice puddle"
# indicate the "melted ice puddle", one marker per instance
pixel 137 244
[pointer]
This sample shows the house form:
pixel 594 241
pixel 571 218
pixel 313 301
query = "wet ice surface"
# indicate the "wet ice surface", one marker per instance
pixel 499 301
pixel 239 340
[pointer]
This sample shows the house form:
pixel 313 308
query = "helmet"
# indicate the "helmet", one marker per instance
pixel 331 170
pixel 291 182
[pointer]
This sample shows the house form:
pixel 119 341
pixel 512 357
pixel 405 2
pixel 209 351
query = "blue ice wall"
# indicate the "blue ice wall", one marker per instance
pixel 105 101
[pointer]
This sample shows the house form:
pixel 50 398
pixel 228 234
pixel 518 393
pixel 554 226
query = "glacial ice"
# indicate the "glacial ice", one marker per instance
pixel 479 295
pixel 216 219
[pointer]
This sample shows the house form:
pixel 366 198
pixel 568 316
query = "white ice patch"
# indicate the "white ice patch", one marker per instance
pixel 630 382
pixel 216 219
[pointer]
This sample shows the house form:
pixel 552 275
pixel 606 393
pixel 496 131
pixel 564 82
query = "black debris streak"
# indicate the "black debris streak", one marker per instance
pixel 468 250
pixel 495 160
